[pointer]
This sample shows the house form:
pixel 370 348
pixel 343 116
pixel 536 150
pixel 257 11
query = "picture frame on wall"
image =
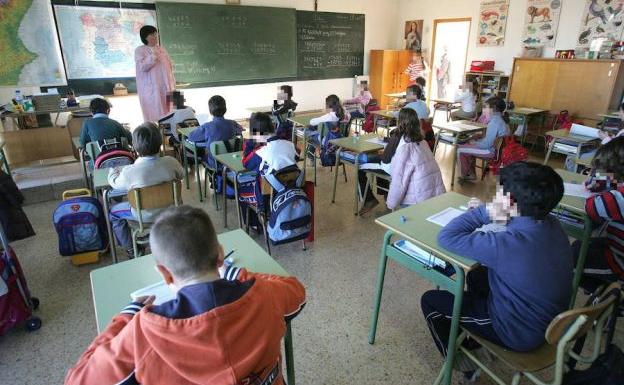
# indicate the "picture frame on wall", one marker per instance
pixel 602 19
pixel 541 23
pixel 413 35
pixel 492 22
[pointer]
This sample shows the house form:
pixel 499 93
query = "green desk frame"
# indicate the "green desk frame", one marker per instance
pixel 231 161
pixel 184 133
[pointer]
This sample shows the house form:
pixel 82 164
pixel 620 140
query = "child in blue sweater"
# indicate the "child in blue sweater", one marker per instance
pixel 525 278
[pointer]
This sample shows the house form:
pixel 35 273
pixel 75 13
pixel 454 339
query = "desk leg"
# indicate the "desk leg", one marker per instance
pixel 109 226
pixel 437 141
pixel 238 212
pixel 454 161
pixel 550 148
pixel 357 183
pixel 580 263
pixel 223 190
pixel 84 167
pixel 304 151
pixel 451 351
pixel 290 358
pixel 525 125
pixel 336 173
pixel 381 273
pixel 197 173
pixel 375 118
pixel 184 161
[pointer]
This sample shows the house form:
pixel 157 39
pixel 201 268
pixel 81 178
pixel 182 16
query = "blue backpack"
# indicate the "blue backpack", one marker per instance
pixel 328 150
pixel 291 212
pixel 80 225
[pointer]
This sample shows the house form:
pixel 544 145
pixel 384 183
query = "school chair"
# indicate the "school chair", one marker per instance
pixel 372 177
pixel 314 148
pixel 487 160
pixel 568 327
pixel 217 148
pixel 288 177
pixel 160 196
pixel 356 125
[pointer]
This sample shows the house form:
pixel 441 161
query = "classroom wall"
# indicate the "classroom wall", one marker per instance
pixel 381 32
pixel 569 24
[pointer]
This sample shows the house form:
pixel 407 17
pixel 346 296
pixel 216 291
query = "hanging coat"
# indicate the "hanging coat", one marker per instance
pixel 13 219
pixel 154 80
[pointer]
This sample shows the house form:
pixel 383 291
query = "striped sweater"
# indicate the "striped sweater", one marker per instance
pixel 609 206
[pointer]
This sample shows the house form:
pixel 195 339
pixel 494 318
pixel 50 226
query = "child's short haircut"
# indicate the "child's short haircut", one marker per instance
pixel 536 189
pixel 414 90
pixel 421 81
pixel 216 105
pixel 183 239
pixel 147 139
pixel 610 158
pixel 99 106
pixel 260 123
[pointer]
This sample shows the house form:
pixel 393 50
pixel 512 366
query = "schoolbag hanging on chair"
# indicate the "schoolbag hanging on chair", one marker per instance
pixel 512 152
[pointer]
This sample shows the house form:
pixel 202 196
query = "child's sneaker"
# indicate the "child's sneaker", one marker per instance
pixel 469 378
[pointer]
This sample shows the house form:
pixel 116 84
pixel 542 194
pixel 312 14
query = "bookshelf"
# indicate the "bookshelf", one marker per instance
pixel 491 83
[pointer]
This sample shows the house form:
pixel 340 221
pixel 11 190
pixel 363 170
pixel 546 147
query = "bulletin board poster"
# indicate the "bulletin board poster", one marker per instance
pixel 541 22
pixel 601 19
pixel 492 22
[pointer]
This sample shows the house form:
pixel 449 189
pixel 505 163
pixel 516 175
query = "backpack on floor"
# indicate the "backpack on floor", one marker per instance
pixel 328 150
pixel 80 225
pixel 291 212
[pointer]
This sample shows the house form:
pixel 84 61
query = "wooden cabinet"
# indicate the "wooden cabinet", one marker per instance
pixel 585 88
pixel 387 73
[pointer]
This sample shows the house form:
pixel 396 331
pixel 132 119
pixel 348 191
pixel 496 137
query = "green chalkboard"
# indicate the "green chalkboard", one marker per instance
pixel 329 45
pixel 211 44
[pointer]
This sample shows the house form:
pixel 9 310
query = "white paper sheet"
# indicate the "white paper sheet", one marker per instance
pixel 419 254
pixel 576 190
pixel 445 216
pixel 377 141
pixel 160 290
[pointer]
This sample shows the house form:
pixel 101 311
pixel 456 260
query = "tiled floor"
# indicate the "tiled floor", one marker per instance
pixel 330 335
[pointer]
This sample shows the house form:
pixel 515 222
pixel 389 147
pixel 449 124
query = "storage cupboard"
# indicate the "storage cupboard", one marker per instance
pixel 387 73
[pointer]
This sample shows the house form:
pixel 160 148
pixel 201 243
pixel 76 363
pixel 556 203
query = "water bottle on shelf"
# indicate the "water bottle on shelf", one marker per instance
pixel 18 97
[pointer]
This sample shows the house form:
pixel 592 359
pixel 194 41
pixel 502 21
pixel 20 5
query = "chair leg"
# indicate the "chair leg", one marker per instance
pixel 344 172
pixel 304 245
pixel 266 236
pixel 135 246
pixel 314 166
pixel 485 165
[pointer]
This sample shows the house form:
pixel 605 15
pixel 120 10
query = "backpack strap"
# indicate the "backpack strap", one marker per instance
pixel 275 183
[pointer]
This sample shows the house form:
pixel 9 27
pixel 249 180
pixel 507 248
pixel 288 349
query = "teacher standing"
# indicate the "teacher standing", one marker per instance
pixel 154 75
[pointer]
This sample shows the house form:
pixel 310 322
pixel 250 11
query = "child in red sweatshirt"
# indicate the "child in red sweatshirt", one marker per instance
pixel 217 331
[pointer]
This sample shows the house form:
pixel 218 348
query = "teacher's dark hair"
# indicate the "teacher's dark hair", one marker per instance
pixel 145 31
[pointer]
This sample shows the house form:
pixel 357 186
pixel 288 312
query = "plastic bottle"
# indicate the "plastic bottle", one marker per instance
pixel 18 96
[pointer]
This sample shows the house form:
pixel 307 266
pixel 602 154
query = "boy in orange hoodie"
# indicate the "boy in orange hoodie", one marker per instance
pixel 217 331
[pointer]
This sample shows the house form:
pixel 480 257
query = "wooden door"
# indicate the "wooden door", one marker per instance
pixel 404 58
pixel 533 83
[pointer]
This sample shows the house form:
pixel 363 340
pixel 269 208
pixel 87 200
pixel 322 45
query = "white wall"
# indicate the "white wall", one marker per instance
pixel 381 32
pixel 428 10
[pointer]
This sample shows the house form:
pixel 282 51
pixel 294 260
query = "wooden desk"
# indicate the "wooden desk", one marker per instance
pixel 459 131
pixel 358 145
pixel 14 116
pixel 576 206
pixel 444 105
pixel 231 161
pixel 389 115
pixel 111 286
pixel 563 134
pixel 522 115
pixel 424 234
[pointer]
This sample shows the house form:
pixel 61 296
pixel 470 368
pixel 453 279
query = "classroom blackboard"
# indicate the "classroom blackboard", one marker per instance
pixel 329 45
pixel 215 44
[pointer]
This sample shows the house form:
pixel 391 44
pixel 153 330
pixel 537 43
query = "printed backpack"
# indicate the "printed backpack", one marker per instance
pixel 512 152
pixel 291 212
pixel 80 225
pixel 113 153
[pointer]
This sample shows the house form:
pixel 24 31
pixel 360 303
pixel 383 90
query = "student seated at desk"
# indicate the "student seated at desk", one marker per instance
pixel 215 130
pixel 179 113
pixel 335 112
pixel 415 174
pixel 361 101
pixel 484 147
pixel 100 126
pixel 149 169
pixel 284 110
pixel 413 96
pixel 467 96
pixel 605 256
pixel 526 275
pixel 605 137
pixel 274 155
pixel 224 327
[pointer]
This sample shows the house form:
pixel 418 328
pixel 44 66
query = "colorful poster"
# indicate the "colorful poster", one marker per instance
pixel 541 22
pixel 601 19
pixel 413 35
pixel 492 22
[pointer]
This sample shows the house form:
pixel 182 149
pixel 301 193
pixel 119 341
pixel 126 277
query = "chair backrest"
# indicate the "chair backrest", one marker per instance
pixel 559 326
pixel 498 145
pixel 159 196
pixel 219 147
pixel 193 122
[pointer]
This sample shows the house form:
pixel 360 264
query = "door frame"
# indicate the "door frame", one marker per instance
pixel 433 46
